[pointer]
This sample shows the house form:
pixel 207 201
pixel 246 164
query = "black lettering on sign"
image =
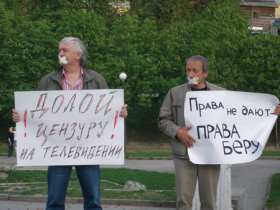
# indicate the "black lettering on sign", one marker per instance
pixel 42 132
pixel 88 103
pixel 70 106
pixel 102 125
pixel 212 105
pixel 71 131
pixel 91 127
pixel 231 111
pixel 61 104
pixel 217 131
pixel 104 105
pixel 40 107
pixel 63 129
pixel 259 112
pixel 81 127
pixel 76 152
pixel 27 154
pixel 57 104
pixel 240 147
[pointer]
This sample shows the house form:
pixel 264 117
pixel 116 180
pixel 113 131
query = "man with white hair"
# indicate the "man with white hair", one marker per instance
pixel 73 75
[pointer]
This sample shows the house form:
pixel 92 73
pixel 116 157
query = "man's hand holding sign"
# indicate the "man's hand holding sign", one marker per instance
pixel 229 127
pixel 185 137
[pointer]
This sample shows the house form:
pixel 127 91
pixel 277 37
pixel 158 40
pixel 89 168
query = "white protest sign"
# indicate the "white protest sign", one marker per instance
pixel 229 127
pixel 80 127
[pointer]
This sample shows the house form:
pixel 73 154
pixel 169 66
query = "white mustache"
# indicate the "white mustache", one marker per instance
pixel 62 60
pixel 193 81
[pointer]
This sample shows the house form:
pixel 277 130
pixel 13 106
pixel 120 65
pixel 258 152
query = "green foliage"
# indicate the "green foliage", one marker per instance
pixel 150 43
pixel 26 52
pixel 167 11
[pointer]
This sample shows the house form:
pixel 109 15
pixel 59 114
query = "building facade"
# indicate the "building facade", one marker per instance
pixel 261 13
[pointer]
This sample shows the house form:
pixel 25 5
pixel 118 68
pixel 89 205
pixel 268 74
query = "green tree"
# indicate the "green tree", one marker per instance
pixel 150 43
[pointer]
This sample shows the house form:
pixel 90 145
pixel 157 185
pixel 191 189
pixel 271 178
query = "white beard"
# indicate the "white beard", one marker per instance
pixel 62 60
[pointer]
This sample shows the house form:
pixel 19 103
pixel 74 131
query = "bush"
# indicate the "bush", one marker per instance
pixel 151 51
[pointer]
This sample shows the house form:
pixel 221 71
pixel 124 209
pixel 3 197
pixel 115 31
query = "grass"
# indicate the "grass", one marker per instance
pixel 3 148
pixel 273 153
pixel 152 154
pixel 273 201
pixel 165 153
pixel 160 186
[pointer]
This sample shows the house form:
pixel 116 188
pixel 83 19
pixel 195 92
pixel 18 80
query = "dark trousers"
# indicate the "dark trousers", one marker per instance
pixel 58 179
pixel 11 142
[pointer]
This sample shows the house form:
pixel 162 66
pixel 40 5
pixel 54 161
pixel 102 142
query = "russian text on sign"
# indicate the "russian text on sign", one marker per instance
pixel 229 126
pixel 77 127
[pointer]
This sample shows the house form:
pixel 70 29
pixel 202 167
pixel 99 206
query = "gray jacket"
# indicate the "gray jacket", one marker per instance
pixel 171 116
pixel 92 80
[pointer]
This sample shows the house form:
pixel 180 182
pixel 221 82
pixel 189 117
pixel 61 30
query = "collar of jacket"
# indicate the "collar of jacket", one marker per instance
pixel 57 76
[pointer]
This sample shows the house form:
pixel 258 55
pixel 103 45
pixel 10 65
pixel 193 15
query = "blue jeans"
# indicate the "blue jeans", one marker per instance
pixel 58 179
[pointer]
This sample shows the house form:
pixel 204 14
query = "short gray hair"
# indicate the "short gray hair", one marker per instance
pixel 201 59
pixel 79 45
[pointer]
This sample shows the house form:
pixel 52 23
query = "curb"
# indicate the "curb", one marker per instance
pixel 125 202
pixel 170 158
pixel 79 200
pixel 149 158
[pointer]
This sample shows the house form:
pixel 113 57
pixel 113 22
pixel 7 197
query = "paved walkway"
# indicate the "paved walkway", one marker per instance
pixel 254 177
pixel 12 205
